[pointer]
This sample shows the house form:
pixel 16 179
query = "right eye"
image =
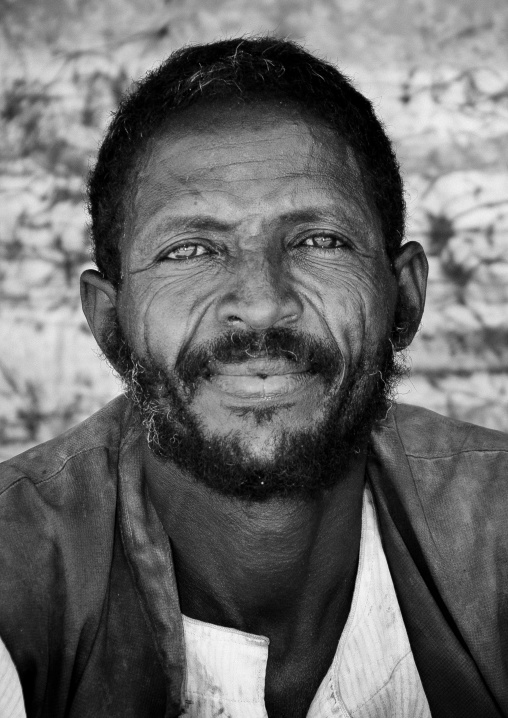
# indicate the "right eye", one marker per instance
pixel 189 250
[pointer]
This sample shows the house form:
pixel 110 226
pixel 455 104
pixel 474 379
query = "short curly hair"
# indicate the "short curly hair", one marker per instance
pixel 246 70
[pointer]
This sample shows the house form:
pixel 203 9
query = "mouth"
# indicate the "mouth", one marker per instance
pixel 260 379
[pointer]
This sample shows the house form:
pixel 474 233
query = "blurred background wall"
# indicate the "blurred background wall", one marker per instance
pixel 437 73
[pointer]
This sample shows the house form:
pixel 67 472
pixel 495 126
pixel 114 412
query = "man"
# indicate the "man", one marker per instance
pixel 255 530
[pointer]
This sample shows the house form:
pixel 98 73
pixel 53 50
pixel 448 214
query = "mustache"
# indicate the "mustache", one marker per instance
pixel 320 356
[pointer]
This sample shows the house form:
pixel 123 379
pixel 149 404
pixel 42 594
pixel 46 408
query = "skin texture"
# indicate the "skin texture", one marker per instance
pixel 247 220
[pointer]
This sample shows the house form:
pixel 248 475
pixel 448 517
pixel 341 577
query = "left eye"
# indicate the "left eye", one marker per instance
pixel 186 251
pixel 322 241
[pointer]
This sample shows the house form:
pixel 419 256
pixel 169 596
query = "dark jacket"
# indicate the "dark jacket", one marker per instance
pixel 89 604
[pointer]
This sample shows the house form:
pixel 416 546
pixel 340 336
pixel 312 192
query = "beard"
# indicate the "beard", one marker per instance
pixel 303 463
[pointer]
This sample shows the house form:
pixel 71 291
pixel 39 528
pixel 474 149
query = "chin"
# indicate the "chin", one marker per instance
pixel 266 460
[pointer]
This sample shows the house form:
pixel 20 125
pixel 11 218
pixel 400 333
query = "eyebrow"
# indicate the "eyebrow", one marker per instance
pixel 210 223
pixel 179 223
pixel 305 215
pixel 200 222
pixel 312 215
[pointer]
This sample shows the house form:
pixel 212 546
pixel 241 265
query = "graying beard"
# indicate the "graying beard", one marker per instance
pixel 149 408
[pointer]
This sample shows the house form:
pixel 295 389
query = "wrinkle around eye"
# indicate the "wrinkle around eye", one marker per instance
pixel 179 270
pixel 345 257
pixel 361 285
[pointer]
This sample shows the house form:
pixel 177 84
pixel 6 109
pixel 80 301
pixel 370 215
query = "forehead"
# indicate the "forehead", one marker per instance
pixel 254 159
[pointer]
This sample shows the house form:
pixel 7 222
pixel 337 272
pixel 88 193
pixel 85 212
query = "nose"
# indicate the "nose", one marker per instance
pixel 259 296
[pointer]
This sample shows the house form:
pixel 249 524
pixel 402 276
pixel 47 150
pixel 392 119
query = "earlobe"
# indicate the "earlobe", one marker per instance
pixel 411 269
pixel 98 299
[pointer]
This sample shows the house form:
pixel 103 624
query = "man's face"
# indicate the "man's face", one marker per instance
pixel 257 298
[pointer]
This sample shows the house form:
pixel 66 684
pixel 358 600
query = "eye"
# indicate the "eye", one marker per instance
pixel 189 250
pixel 323 241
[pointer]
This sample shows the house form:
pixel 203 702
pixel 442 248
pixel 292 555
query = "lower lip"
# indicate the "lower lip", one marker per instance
pixel 255 388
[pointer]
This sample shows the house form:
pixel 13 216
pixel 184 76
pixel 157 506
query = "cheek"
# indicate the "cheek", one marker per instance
pixel 157 320
pixel 358 310
pixel 164 329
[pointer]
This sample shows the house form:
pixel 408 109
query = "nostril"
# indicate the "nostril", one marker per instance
pixel 233 318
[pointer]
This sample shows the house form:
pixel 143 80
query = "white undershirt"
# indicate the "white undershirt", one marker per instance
pixel 373 673
pixel 11 695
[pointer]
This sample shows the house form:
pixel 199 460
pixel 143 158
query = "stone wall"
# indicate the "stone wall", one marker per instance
pixel 442 94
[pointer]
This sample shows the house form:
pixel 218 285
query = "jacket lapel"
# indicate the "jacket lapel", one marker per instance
pixel 450 676
pixel 148 553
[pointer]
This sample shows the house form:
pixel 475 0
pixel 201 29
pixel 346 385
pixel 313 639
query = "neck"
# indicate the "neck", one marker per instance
pixel 259 567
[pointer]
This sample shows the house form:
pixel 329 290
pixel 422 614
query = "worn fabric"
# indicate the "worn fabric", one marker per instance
pixel 88 598
pixel 372 675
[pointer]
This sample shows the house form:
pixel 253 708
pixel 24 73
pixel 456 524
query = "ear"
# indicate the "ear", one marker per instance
pixel 411 269
pixel 98 299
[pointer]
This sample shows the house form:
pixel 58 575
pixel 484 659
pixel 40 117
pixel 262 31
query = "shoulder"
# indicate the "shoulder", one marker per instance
pixel 452 474
pixel 66 456
pixel 426 434
pixel 58 508
pixel 453 459
pixel 60 496
pixel 58 501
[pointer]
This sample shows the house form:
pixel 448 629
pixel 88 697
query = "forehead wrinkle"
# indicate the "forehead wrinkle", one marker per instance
pixel 214 145
pixel 256 135
pixel 188 179
pixel 314 145
pixel 245 119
